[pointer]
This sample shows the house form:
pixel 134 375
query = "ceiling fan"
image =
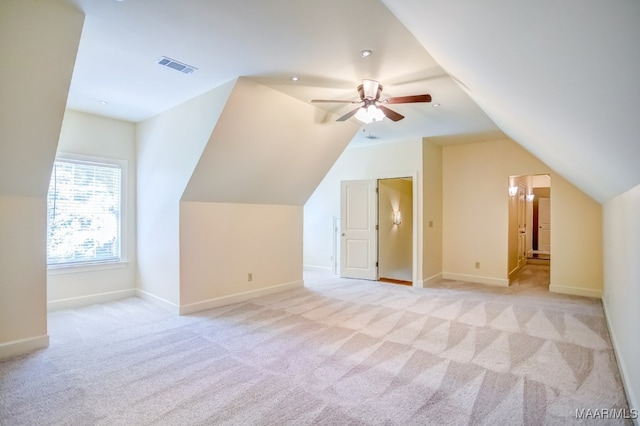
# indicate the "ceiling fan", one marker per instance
pixel 371 109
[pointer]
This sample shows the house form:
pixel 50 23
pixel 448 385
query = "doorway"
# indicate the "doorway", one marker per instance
pixel 377 230
pixel 541 229
pixel 395 230
pixel 529 222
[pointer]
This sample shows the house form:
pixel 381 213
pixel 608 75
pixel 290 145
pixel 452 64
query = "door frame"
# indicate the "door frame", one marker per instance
pixel 378 181
pixel 416 273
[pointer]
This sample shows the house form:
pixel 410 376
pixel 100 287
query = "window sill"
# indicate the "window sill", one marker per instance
pixel 86 267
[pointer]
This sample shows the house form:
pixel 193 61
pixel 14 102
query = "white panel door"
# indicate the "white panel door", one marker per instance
pixel 358 245
pixel 544 224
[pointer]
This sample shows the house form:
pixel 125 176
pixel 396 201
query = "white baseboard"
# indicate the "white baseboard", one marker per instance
pixel 318 268
pixel 158 301
pixel 23 346
pixel 575 291
pixel 236 298
pixel 499 282
pixel 514 271
pixel 622 366
pixel 92 299
pixel 428 282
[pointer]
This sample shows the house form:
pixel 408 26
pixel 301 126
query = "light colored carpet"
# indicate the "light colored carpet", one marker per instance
pixel 343 352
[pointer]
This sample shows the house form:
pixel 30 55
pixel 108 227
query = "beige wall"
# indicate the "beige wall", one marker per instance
pixel 271 157
pixel 221 243
pixel 235 133
pixel 476 219
pixel 432 204
pixel 42 38
pixel 622 285
pixel 23 273
pixel 576 241
pixel 395 242
pixel 91 135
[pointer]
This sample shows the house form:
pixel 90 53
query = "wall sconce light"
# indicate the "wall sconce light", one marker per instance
pixel 530 197
pixel 513 190
pixel 397 218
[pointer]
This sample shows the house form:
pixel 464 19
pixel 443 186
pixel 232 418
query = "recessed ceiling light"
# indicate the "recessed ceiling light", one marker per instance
pixel 435 105
pixel 103 102
pixel 294 78
pixel 365 53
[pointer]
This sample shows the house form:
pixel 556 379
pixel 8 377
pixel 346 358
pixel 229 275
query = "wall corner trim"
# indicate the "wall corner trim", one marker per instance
pixel 158 301
pixel 575 291
pixel 499 282
pixel 428 282
pixel 238 297
pixel 23 346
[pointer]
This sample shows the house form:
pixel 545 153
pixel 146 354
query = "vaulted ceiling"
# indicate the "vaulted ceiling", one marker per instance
pixel 557 77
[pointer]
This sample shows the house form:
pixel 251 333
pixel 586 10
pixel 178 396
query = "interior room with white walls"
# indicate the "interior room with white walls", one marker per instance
pixel 564 103
pixel 90 136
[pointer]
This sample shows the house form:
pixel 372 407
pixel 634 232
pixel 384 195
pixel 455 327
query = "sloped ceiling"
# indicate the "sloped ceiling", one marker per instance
pixel 268 42
pixel 33 37
pixel 558 77
pixel 267 148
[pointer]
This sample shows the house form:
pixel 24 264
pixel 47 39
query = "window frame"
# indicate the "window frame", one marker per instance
pixel 91 265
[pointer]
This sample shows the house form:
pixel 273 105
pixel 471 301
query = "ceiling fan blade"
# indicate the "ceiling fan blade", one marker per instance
pixel 408 99
pixel 348 115
pixel 327 101
pixel 390 114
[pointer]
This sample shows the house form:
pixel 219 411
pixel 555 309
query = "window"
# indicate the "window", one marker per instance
pixel 84 212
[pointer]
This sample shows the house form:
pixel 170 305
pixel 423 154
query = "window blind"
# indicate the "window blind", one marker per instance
pixel 83 213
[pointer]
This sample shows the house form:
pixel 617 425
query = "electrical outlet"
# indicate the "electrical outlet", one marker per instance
pixel 250 276
pixel 477 265
pixel 430 224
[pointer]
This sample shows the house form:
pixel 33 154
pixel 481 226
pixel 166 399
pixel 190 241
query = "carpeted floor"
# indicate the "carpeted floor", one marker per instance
pixel 341 352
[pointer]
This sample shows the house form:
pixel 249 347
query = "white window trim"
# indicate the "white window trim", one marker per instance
pixel 124 232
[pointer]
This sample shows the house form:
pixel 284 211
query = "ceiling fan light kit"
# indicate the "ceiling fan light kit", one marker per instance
pixel 369 114
pixel 371 110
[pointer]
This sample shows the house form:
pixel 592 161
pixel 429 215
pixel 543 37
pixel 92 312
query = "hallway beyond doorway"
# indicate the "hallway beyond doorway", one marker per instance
pixel 532 276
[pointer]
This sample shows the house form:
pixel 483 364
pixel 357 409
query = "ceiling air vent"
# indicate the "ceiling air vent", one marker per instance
pixel 178 66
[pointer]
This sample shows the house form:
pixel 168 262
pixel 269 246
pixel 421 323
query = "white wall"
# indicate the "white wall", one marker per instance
pixel 42 39
pixel 169 147
pixel 222 243
pixel 476 210
pixel 367 162
pixel 622 285
pixel 96 136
